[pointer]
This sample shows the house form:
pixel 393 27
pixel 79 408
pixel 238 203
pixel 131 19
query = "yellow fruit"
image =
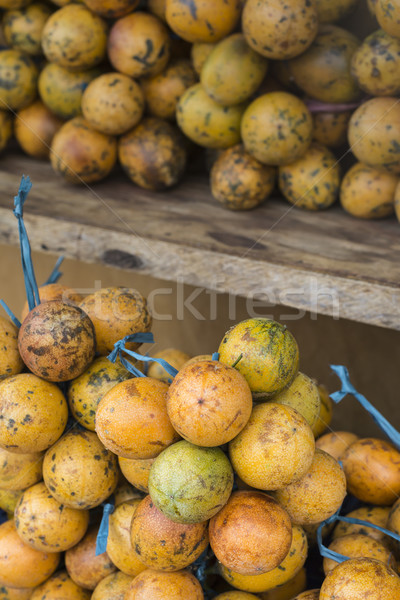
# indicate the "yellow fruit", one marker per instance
pixel 19 471
pixel 9 499
pixel 286 591
pixel 357 545
pixel 18 74
pixel 136 471
pixel 302 395
pixel 35 127
pixel 112 587
pixel 9 593
pixel 202 20
pixel 60 587
pixel 325 413
pixel 330 128
pixel 376 64
pixel 377 515
pixel 336 442
pixel 112 9
pixel 388 15
pixel 10 359
pixel 54 291
pixel 119 547
pixel 200 51
pixel 157 585
pixel 22 28
pixel 368 193
pixel 174 357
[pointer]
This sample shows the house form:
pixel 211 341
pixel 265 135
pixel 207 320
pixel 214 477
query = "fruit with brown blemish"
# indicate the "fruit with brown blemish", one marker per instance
pixel 330 128
pixel 33 414
pixel 206 122
pixel 239 181
pixel 113 103
pixel 161 544
pixel 112 587
pixel 264 352
pixel 357 545
pixel 57 341
pixel 22 28
pixel 202 20
pixel 45 524
pixel 75 38
pixel 198 358
pixel 387 13
pixel 287 591
pixel 180 585
pixel 176 358
pixel 62 90
pixel 368 193
pixel 139 45
pixel 209 403
pixel 330 12
pixel 316 496
pixel 275 448
pixel 59 587
pixel 336 443
pixel 10 359
pixel 377 515
pixel 325 413
pixel 372 469
pixel 199 53
pixel 78 471
pixel 132 419
pixel 19 471
pixel 235 595
pixel 115 313
pixel 153 154
pixel 360 577
pixel 112 9
pixel 376 64
pixel 302 395
pixel 119 547
pixel 277 128
pixel 18 80
pixel 10 593
pixel 34 128
pixel 20 565
pixel 54 291
pixel 83 566
pixel 136 471
pixel 311 182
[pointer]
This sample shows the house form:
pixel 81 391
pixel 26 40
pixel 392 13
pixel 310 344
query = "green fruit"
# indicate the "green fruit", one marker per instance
pixel 189 483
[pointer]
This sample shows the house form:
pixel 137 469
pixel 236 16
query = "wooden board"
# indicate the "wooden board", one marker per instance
pixel 323 262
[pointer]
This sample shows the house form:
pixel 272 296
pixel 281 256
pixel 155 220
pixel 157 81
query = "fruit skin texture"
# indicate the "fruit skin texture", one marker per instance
pixel 174 357
pixel 329 12
pixel 239 181
pixel 279 30
pixel 190 484
pixel 139 45
pixel 20 565
pixel 113 103
pixel 202 20
pixel 376 64
pixel 277 577
pixel 308 595
pixel 10 360
pixel 57 341
pixel 157 585
pixel 45 524
pixel 377 515
pixel 275 448
pixel 54 291
pixel 19 471
pixel 116 312
pixel 119 547
pixel 372 471
pixel 78 471
pixel 162 544
pixel 235 595
pixel 251 534
pixel 61 90
pixel 277 128
pixel 59 587
pixel 312 182
pixel 22 28
pixel 368 193
pixel 302 395
pixel 374 131
pixel 153 154
pixel 388 15
pixel 18 74
pixel 318 494
pixel 233 71
pixel 199 53
pixel 330 129
pixel 112 9
pixel 75 38
pixel 358 546
pixel 112 587
pixel 325 413
pixel 9 593
pixel 206 122
pixel 132 420
pixel 269 355
pixel 136 471
pixel 209 392
pixel 360 577
pixel 336 442
pixel 287 590
pixel 35 127
pixel 34 414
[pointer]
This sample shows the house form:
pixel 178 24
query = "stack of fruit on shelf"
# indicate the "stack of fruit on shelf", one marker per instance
pixel 275 91
pixel 220 475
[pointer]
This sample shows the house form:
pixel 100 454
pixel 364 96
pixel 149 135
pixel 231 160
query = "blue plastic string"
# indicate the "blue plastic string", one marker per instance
pixel 31 287
pixel 141 338
pixel 348 388
pixel 55 274
pixel 215 356
pixel 10 313
pixel 102 534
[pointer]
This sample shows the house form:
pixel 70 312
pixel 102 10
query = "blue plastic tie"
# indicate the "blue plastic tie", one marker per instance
pixel 348 388
pixel 102 534
pixel 215 356
pixel 10 313
pixel 31 287
pixel 55 274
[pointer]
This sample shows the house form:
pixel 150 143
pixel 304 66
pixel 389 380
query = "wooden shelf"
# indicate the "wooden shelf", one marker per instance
pixel 324 262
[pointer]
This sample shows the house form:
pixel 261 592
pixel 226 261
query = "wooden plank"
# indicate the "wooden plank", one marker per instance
pixel 325 262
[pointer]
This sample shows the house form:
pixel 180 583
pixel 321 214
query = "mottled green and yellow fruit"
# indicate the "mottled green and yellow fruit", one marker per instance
pixel 325 412
pixel 264 352
pixel 303 396
pixel 233 71
pixel 119 547
pixel 311 182
pixel 176 358
pixel 9 500
pixel 112 9
pixel 180 585
pixel 388 14
pixel 206 122
pixel 10 359
pixel 202 20
pixel 75 38
pixel 330 128
pixel 19 471
pixel 18 80
pixel 23 28
pixel 59 587
pixel 357 545
pixel 112 587
pixel 34 128
pixel 330 12
pixel 368 193
pixel 277 128
pixel 376 64
pixel 280 30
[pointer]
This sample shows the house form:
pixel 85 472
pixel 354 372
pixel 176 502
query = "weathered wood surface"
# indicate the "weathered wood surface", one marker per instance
pixel 325 262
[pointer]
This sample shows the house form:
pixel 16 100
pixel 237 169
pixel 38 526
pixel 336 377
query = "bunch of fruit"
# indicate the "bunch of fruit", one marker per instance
pixel 272 89
pixel 218 478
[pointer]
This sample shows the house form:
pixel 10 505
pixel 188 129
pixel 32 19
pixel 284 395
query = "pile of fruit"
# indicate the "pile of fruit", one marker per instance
pixel 220 476
pixel 275 91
